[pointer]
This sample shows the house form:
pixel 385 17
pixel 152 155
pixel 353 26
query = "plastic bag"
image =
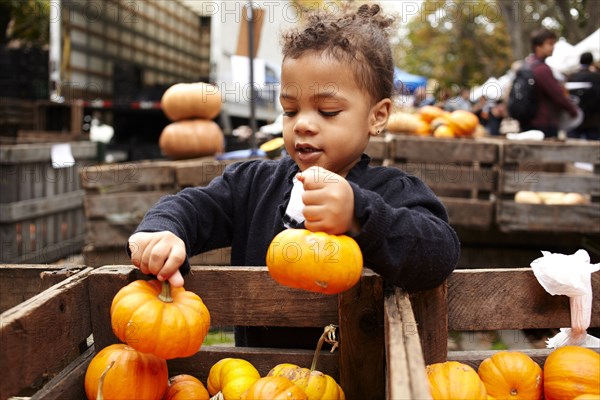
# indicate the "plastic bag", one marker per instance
pixel 569 275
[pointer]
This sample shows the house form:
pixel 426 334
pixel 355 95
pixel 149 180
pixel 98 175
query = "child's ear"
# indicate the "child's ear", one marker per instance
pixel 378 118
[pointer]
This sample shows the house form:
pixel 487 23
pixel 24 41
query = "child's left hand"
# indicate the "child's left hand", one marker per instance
pixel 328 201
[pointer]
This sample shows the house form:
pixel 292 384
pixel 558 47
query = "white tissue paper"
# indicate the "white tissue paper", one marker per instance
pixel 569 275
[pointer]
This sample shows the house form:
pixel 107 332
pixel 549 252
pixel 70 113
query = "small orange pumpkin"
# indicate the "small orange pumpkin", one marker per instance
pixel 128 374
pixel 314 261
pixel 429 113
pixel 186 387
pixel 443 131
pixel 274 388
pixel 511 374
pixel 463 122
pixel 191 100
pixel 588 397
pixel 452 380
pixel 191 138
pixel 152 317
pixel 570 371
pixel 232 377
pixel 316 385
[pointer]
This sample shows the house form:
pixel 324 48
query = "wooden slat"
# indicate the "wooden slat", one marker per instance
pixel 516 180
pixel 362 353
pixel 264 359
pixel 451 175
pixel 253 299
pixel 405 376
pixel 378 149
pixel 200 171
pixel 479 300
pixel 472 213
pixel 474 358
pixel 430 308
pixel 32 152
pixel 31 208
pixel 103 233
pixel 131 205
pixel 20 282
pixel 429 149
pixel 127 176
pixel 513 216
pixel 54 324
pixel 116 255
pixel 551 152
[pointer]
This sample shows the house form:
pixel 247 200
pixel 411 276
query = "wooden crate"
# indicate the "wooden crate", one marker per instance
pixel 47 338
pixel 548 167
pixel 15 114
pixel 118 195
pixel 460 171
pixel 41 207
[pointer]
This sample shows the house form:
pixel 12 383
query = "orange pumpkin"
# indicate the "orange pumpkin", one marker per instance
pixel 128 374
pixel 429 113
pixel 463 122
pixel 191 100
pixel 232 377
pixel 570 371
pixel 152 317
pixel 316 385
pixel 274 388
pixel 452 380
pixel 588 397
pixel 443 131
pixel 191 138
pixel 511 375
pixel 186 387
pixel 314 261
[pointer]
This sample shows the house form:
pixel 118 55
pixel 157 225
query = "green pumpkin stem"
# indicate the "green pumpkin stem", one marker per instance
pixel 100 395
pixel 165 295
pixel 327 336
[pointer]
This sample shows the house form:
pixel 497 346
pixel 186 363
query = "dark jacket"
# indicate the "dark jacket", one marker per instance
pixel 589 98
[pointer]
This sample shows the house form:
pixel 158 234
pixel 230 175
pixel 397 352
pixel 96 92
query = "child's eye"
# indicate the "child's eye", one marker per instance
pixel 289 113
pixel 329 113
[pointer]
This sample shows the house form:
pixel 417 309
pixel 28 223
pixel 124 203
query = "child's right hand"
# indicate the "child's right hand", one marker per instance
pixel 160 254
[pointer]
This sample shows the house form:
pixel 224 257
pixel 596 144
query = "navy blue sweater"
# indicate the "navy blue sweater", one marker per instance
pixel 404 233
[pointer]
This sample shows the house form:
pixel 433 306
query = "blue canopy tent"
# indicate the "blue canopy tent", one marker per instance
pixel 407 83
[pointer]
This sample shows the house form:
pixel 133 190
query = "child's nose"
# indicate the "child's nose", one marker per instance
pixel 305 126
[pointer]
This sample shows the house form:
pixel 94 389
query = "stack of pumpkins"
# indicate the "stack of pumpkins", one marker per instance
pixel 157 322
pixel 193 133
pixel 570 372
pixel 436 122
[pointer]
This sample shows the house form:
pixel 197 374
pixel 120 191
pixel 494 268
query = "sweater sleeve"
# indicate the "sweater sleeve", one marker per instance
pixel 404 235
pixel 550 86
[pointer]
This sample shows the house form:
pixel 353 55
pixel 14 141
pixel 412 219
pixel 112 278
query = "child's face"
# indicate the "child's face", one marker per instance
pixel 326 115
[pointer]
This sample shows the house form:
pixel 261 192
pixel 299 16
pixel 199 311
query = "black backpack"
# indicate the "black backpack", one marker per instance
pixel 522 100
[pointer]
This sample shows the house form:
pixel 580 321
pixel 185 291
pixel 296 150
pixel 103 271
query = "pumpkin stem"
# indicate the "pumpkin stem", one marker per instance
pixel 100 395
pixel 165 295
pixel 327 336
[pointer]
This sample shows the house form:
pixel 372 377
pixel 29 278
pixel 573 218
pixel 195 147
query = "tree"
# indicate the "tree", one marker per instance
pixel 25 20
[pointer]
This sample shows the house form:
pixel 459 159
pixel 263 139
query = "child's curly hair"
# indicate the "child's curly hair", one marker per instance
pixel 359 37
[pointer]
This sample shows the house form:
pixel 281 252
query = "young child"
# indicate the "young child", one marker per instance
pixel 337 80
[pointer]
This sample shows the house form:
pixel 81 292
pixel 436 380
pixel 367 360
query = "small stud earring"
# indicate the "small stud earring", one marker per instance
pixel 377 132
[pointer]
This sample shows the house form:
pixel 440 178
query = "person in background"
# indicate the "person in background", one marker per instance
pixel 461 102
pixel 587 91
pixel 550 94
pixel 336 88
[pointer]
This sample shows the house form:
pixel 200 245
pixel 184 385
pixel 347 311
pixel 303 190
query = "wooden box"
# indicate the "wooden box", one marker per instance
pixel 118 195
pixel 461 173
pixel 41 207
pixel 549 166
pixel 50 339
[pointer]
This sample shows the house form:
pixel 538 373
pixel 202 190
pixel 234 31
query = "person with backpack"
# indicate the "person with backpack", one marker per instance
pixel 537 98
pixel 587 90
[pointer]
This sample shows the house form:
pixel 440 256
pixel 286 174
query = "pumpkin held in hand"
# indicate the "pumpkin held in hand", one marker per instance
pixel 314 261
pixel 152 317
pixel 570 371
pixel 452 380
pixel 511 375
pixel 128 374
pixel 274 388
pixel 186 387
pixel 191 100
pixel 232 377
pixel 316 385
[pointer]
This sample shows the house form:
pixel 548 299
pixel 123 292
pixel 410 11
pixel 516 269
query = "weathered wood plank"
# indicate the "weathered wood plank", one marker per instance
pixel 378 149
pixel 551 152
pixel 103 233
pixel 430 308
pixel 31 152
pixel 513 216
pixel 20 282
pixel 130 205
pixel 362 352
pixel 53 323
pixel 455 150
pixel 451 175
pixel 31 208
pixel 472 213
pixel 264 359
pixel 477 300
pixel 516 180
pixel 200 171
pixel 127 176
